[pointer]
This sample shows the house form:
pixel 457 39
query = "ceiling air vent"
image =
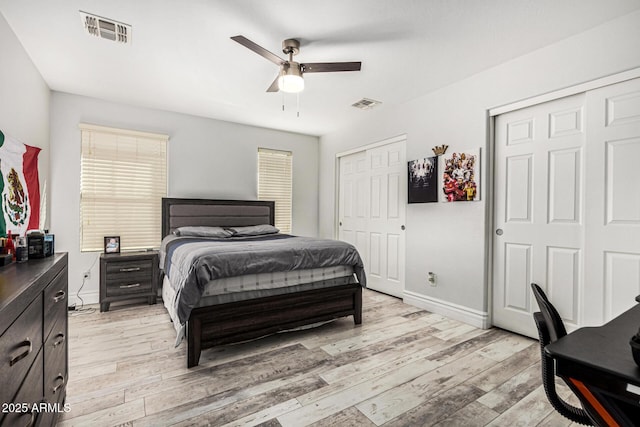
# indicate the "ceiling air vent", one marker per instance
pixel 106 28
pixel 366 104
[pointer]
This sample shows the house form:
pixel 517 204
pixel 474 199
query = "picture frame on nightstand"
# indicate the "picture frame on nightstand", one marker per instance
pixel 112 244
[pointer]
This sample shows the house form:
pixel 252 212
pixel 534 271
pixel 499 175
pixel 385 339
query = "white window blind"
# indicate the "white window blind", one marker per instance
pixel 123 179
pixel 275 183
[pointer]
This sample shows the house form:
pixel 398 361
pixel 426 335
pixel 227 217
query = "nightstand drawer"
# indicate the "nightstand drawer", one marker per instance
pixel 129 270
pixel 128 286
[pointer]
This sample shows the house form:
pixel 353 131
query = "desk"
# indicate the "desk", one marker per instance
pixel 600 357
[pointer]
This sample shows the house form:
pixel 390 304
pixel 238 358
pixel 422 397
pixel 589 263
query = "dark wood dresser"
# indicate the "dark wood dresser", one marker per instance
pixel 128 275
pixel 33 341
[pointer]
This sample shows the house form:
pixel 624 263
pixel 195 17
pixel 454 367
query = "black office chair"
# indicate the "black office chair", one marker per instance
pixel 550 328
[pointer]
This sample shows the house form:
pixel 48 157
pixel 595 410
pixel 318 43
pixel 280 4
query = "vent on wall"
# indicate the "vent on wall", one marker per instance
pixel 106 28
pixel 366 104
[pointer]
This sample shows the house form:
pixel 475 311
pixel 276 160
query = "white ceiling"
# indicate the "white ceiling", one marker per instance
pixel 182 59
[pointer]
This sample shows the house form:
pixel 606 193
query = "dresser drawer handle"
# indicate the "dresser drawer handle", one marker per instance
pixel 133 285
pixel 126 270
pixel 15 359
pixel 59 378
pixel 59 296
pixel 33 417
pixel 60 340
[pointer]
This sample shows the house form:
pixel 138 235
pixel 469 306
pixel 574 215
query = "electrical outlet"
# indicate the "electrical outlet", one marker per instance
pixel 431 278
pixel 86 275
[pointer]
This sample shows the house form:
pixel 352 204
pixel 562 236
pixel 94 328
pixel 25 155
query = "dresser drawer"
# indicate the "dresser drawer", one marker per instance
pixel 19 346
pixel 29 393
pixel 55 365
pixel 55 301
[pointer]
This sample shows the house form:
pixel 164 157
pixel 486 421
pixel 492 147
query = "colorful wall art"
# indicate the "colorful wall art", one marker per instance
pixel 461 176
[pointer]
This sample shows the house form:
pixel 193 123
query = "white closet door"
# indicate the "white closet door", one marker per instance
pixel 353 202
pixel 372 205
pixel 387 205
pixel 612 273
pixel 539 211
pixel 567 208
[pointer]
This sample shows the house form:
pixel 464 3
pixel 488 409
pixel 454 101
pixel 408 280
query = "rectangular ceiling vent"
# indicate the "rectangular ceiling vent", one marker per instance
pixel 366 104
pixel 106 28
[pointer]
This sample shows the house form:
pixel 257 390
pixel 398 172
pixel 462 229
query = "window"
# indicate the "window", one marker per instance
pixel 122 181
pixel 275 183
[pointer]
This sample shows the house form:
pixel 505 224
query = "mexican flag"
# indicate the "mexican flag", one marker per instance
pixel 19 186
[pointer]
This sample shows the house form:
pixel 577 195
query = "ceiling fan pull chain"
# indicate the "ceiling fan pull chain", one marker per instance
pixel 282 101
pixel 298 103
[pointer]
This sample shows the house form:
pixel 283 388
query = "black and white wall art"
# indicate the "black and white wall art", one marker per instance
pixel 423 180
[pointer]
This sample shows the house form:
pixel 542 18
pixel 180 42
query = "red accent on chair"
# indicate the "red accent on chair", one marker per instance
pixel 594 402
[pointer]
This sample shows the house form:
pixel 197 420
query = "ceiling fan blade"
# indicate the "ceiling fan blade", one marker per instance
pixel 258 49
pixel 328 67
pixel 274 86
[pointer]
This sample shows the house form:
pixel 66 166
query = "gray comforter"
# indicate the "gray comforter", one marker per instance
pixel 192 262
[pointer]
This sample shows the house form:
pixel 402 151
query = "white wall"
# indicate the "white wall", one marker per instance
pixel 207 159
pixel 24 98
pixel 451 239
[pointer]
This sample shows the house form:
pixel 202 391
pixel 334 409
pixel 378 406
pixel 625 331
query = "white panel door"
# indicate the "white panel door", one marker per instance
pixel 371 212
pixel 353 202
pixel 567 207
pixel 612 273
pixel 387 204
pixel 539 206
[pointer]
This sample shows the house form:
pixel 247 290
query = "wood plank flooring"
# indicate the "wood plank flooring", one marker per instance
pixel 402 367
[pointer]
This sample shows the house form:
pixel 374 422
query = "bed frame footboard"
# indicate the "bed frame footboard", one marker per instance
pixel 244 320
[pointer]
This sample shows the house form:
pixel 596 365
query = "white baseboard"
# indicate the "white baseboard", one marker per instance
pixel 479 319
pixel 87 298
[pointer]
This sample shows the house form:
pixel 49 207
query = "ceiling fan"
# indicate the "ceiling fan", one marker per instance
pixel 290 77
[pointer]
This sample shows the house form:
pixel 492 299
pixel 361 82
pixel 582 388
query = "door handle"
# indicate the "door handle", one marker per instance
pixel 402 227
pixel 499 231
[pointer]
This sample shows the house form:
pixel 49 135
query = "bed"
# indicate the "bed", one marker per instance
pixel 209 306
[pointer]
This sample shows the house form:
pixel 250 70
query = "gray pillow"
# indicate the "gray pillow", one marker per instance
pixel 254 230
pixel 202 231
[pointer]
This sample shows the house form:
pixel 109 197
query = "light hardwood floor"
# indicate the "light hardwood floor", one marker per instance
pixel 402 367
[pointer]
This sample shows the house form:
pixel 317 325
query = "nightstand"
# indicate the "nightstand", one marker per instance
pixel 128 275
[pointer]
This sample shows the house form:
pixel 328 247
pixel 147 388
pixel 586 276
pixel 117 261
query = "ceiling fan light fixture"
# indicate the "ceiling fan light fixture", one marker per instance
pixel 290 79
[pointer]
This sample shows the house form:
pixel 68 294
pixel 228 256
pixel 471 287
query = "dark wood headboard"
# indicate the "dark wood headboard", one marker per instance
pixel 222 213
